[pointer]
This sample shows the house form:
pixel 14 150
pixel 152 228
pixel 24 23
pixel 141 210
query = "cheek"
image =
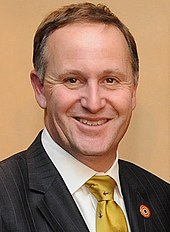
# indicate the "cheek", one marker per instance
pixel 123 101
pixel 60 100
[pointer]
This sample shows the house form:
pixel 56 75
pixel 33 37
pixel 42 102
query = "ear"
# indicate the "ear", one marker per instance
pixel 38 89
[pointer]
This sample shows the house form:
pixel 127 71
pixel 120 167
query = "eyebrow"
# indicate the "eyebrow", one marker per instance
pixel 114 72
pixel 78 72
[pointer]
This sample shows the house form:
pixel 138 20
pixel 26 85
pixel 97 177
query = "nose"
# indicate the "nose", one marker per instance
pixel 93 98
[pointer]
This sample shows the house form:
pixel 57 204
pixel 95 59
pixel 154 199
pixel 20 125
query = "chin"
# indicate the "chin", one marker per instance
pixel 94 151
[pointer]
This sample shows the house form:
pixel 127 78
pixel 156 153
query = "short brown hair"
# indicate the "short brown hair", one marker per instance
pixel 79 13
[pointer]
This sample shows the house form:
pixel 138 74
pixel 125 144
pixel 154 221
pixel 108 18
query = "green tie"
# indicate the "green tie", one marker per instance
pixel 109 216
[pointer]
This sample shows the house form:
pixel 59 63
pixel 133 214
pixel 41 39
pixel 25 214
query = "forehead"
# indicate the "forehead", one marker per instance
pixel 95 34
pixel 89 46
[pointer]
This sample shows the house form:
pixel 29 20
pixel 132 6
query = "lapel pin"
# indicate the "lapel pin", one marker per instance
pixel 145 211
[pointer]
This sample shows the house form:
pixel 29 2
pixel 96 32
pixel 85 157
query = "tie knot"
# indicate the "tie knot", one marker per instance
pixel 102 187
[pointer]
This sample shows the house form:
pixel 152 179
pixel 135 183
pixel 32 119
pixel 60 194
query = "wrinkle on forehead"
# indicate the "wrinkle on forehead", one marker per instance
pixel 78 46
pixel 77 34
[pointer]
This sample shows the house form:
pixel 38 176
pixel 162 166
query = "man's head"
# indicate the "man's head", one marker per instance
pixel 85 78
pixel 78 13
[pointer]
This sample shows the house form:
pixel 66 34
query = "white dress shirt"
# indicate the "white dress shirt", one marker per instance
pixel 71 169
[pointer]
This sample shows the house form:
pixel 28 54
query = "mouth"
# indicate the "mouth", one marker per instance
pixel 92 122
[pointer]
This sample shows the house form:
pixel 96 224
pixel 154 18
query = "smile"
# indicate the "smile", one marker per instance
pixel 92 123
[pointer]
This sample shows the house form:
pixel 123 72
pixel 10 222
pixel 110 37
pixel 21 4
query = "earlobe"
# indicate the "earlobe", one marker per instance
pixel 38 89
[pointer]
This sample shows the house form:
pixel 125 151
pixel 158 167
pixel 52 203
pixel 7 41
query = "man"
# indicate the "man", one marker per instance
pixel 85 78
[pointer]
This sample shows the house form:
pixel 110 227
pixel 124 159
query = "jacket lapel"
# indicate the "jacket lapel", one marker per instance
pixel 135 196
pixel 59 208
pixel 55 202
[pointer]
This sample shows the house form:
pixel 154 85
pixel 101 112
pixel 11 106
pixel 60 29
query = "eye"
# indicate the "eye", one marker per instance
pixel 110 80
pixel 72 82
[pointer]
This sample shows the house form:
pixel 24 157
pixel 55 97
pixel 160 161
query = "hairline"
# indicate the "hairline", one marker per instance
pixel 44 50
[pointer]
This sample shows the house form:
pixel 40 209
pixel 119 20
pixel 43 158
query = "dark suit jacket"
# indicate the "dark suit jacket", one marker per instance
pixel 34 197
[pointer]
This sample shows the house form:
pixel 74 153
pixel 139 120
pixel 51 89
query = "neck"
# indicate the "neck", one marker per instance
pixel 98 163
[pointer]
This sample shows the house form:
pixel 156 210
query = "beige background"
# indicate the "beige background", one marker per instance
pixel 147 142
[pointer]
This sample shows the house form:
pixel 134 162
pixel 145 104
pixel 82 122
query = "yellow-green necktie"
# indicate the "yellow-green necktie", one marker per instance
pixel 109 216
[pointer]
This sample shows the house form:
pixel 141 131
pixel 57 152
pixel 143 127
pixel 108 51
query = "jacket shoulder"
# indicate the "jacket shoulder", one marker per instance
pixel 16 165
pixel 13 168
pixel 143 177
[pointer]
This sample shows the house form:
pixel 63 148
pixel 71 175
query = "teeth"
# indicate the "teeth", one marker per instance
pixel 92 123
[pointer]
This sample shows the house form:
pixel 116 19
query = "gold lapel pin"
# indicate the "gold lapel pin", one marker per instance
pixel 145 211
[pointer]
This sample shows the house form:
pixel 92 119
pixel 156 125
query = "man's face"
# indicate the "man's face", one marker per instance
pixel 88 93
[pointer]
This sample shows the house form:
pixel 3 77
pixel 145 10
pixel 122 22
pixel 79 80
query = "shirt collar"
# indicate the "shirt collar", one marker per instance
pixel 71 169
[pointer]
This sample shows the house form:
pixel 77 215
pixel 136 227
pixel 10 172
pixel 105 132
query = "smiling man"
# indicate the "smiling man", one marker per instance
pixel 85 78
pixel 88 91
